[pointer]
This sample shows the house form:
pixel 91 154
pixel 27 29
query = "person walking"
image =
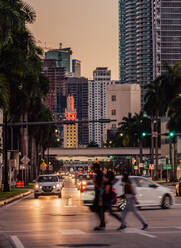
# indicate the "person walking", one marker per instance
pixel 108 195
pixel 130 203
pixel 97 206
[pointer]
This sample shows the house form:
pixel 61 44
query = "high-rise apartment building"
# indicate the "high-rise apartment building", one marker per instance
pixel 56 98
pixel 63 57
pixel 76 68
pixel 70 130
pixel 135 42
pixel 167 23
pixel 97 103
pixel 149 37
pixel 78 88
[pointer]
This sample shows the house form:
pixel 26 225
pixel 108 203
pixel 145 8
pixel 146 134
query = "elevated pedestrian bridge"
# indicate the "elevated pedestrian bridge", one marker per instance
pixel 89 153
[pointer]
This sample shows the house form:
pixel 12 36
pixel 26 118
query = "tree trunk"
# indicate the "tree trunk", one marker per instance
pixel 156 149
pixel 175 160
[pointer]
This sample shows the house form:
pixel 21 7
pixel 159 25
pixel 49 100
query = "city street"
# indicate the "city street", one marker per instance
pixel 52 222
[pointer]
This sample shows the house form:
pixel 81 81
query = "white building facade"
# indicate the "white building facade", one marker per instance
pixel 98 103
pixel 121 100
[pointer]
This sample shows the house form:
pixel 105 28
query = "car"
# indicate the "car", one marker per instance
pixel 47 184
pixel 78 180
pixel 84 183
pixel 178 188
pixel 88 195
pixel 61 180
pixel 148 193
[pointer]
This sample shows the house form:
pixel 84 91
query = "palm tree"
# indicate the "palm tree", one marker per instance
pixel 14 14
pixel 155 106
pixel 174 123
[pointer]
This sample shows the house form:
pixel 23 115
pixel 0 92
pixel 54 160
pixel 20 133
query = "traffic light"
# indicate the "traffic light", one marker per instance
pixel 144 134
pixel 171 134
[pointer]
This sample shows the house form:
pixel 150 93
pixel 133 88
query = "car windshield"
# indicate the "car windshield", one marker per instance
pixel 42 179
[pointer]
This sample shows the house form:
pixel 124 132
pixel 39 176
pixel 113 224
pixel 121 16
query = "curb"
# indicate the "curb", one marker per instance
pixel 14 198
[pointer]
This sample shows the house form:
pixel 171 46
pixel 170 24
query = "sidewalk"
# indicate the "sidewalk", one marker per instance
pixel 9 199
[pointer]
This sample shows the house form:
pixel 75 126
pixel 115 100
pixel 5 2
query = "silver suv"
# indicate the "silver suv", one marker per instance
pixel 47 185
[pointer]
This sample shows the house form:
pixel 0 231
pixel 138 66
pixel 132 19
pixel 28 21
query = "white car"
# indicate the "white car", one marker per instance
pixel 148 193
pixel 88 195
pixel 48 184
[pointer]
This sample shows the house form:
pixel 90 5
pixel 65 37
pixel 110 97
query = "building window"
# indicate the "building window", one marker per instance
pixel 113 98
pixel 113 126
pixel 113 112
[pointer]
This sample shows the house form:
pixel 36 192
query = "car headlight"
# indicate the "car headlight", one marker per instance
pixel 37 186
pixel 58 185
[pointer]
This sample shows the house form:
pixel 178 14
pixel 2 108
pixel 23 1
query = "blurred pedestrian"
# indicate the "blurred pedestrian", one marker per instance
pixel 108 198
pixel 130 196
pixel 97 206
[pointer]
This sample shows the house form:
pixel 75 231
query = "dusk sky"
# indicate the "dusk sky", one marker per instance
pixel 89 27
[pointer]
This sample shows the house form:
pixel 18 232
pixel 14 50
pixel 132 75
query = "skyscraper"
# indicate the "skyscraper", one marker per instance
pixel 76 67
pixel 55 99
pixel 167 33
pixel 63 57
pixel 135 42
pixel 78 88
pixel 97 103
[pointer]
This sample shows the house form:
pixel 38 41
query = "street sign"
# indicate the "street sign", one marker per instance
pixel 167 166
pixel 151 166
pixel 12 163
pixel 162 161
pixel 128 157
pixel 146 166
pixel 43 164
pixel 25 160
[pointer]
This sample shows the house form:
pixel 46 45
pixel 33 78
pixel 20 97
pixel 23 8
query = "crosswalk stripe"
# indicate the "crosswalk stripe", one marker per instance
pixel 71 232
pixel 17 242
pixel 138 231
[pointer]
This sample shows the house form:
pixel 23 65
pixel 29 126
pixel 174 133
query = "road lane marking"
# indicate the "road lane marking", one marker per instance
pixel 137 231
pixel 17 242
pixel 72 232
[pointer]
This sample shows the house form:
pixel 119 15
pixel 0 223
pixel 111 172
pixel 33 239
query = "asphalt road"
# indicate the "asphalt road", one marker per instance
pixel 52 222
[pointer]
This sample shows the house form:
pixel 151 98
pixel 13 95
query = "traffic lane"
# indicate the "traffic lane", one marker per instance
pixel 33 213
pixel 52 222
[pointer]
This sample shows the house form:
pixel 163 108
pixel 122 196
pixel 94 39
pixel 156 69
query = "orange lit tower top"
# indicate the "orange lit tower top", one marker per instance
pixel 70 111
pixel 70 130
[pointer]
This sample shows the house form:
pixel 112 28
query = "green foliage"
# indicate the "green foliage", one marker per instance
pixel 130 130
pixel 23 87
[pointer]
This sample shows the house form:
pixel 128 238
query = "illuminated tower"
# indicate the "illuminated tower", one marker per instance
pixel 70 130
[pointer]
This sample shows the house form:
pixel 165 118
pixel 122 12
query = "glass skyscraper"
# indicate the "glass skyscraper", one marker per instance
pixel 135 42
pixel 62 57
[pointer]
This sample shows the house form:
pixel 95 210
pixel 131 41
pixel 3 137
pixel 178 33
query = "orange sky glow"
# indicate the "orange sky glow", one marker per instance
pixel 89 27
